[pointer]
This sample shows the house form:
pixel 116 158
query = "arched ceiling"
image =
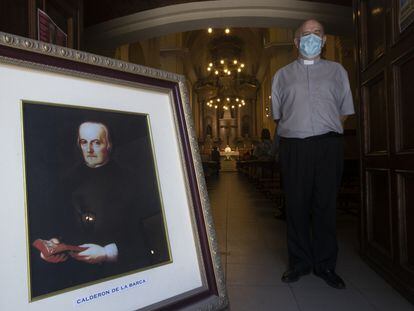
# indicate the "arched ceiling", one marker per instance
pixel 109 9
pixel 200 15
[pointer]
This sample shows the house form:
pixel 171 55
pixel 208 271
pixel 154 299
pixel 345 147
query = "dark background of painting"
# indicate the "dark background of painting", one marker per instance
pixel 51 151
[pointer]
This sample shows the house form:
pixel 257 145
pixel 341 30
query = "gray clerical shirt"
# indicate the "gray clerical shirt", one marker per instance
pixel 308 98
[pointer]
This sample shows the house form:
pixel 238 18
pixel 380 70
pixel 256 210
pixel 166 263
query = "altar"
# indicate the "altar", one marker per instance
pixel 228 159
pixel 229 154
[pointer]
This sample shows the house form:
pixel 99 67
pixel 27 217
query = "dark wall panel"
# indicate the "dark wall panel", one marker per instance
pixel 375 111
pixel 406 218
pixel 373 31
pixel 385 78
pixel 379 214
pixel 405 102
pixel 14 17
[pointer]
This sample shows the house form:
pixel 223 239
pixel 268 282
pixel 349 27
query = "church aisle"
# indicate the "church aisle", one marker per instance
pixel 254 255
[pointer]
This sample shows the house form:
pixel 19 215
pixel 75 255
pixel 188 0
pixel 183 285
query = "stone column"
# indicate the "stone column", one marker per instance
pixel 217 127
pixel 253 118
pixel 238 117
pixel 202 113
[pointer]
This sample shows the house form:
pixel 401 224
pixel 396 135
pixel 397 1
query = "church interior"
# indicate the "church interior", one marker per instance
pixel 228 52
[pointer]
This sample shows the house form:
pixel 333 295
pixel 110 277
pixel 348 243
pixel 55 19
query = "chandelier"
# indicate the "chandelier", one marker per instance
pixel 225 68
pixel 226 103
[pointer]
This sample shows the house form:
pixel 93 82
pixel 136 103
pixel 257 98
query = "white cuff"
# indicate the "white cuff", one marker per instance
pixel 111 251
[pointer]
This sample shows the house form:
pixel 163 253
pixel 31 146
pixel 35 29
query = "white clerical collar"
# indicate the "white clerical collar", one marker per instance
pixel 308 62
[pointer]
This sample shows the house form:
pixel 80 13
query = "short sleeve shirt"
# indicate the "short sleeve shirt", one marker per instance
pixel 308 98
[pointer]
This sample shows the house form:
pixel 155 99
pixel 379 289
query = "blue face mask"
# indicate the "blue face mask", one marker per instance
pixel 310 45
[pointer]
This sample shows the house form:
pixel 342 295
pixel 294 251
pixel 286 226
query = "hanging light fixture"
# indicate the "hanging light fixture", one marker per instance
pixel 225 67
pixel 225 63
pixel 226 103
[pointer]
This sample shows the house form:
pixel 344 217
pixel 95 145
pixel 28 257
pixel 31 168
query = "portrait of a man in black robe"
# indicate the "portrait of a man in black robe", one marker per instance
pixel 93 201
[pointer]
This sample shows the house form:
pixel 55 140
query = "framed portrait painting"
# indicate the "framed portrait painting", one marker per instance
pixel 48 31
pixel 103 204
pixel 405 13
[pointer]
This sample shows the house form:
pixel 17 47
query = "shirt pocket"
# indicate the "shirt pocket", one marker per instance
pixel 326 91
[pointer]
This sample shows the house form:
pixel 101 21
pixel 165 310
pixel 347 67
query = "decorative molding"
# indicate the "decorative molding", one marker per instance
pixel 273 48
pixel 180 52
pixel 218 14
pixel 205 204
pixel 84 57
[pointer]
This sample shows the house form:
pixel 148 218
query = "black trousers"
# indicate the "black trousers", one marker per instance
pixel 311 171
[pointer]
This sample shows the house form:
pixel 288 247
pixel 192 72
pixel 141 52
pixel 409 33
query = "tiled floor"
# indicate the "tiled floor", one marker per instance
pixel 254 256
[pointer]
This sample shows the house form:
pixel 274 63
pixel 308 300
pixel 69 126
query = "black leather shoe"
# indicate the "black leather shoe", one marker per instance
pixel 331 278
pixel 293 275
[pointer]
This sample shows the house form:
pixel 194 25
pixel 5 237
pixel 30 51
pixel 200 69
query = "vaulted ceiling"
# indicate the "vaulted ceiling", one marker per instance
pixel 109 9
pixel 120 22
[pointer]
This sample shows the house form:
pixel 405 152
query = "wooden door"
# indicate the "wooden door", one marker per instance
pixel 385 46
